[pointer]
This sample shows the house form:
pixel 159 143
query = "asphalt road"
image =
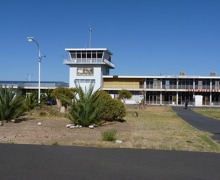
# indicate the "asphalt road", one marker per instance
pixel 199 121
pixel 30 162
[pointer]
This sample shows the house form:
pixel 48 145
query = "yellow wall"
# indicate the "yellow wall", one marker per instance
pixel 122 83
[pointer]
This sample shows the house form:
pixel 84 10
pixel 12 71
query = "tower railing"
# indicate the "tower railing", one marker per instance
pixel 88 60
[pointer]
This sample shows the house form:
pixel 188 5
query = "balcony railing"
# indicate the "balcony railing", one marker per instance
pixel 87 60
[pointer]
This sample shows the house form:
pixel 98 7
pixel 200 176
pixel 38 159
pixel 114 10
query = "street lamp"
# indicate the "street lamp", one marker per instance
pixel 30 39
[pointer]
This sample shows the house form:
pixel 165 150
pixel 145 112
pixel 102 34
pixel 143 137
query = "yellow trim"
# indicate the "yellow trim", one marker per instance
pixel 122 83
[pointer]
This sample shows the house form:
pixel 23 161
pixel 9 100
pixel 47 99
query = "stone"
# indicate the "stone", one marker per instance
pixel 13 120
pixel 118 141
pixel 39 124
pixel 1 123
pixel 91 127
pixel 69 125
pixel 72 127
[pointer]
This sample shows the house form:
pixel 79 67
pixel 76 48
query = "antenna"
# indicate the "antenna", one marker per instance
pixel 29 76
pixel 90 36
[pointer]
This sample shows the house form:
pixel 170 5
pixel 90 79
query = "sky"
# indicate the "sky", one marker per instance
pixel 146 37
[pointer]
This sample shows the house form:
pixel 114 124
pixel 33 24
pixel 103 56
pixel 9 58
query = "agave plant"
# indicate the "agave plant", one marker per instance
pixel 31 101
pixel 11 104
pixel 83 110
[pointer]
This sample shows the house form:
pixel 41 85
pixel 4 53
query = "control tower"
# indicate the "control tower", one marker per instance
pixel 88 65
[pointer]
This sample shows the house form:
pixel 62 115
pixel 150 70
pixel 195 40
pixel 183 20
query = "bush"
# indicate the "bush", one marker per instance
pixel 109 135
pixel 111 109
pixel 42 114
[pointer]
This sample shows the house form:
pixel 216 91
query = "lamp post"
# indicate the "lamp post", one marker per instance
pixel 30 39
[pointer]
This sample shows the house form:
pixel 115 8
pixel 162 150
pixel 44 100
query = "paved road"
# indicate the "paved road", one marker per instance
pixel 199 121
pixel 31 162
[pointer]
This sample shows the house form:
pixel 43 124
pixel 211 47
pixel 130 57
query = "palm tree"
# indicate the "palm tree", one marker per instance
pixel 11 104
pixel 84 110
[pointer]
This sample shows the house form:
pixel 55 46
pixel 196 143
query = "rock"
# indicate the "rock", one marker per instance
pixel 62 109
pixel 69 125
pixel 80 126
pixel 1 123
pixel 13 120
pixel 39 124
pixel 72 127
pixel 91 127
pixel 118 141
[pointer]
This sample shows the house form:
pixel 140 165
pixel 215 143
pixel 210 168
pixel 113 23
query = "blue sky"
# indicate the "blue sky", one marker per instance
pixel 146 37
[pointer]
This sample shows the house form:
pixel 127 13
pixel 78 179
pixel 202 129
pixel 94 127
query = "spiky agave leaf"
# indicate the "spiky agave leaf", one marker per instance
pixel 83 111
pixel 11 105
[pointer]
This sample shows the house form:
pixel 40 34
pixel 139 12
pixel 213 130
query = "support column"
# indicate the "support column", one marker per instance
pixel 177 94
pixel 145 84
pixel 161 97
pixel 210 96
pixel 177 98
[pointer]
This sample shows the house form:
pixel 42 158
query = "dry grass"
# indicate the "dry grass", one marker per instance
pixel 160 128
pixel 156 127
pixel 210 112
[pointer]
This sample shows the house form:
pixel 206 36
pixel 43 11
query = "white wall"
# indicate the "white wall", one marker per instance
pixel 97 76
pixel 198 100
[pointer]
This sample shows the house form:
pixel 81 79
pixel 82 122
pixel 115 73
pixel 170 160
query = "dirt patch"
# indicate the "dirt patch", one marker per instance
pixel 54 132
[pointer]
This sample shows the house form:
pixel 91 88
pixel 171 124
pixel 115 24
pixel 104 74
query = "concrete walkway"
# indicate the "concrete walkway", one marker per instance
pixel 31 162
pixel 199 121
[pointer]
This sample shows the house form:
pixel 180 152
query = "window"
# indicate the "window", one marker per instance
pixel 89 54
pixel 84 55
pixel 99 54
pixel 93 54
pixel 79 55
pixel 73 55
pixel 85 81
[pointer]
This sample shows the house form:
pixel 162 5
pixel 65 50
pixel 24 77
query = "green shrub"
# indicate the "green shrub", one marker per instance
pixel 111 109
pixel 55 143
pixel 42 114
pixel 109 135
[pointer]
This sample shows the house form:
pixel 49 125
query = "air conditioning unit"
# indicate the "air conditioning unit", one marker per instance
pixel 182 73
pixel 213 74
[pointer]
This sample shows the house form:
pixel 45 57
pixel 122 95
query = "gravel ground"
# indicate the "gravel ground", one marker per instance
pixel 54 132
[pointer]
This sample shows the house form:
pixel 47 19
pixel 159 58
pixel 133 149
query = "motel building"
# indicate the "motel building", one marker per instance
pixel 93 65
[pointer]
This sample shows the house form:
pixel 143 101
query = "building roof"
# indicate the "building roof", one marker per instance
pixel 165 77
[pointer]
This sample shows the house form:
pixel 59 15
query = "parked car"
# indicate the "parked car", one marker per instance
pixel 51 102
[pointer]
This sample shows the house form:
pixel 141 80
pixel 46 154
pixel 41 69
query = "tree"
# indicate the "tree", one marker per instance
pixel 83 110
pixel 124 94
pixel 64 95
pixel 11 104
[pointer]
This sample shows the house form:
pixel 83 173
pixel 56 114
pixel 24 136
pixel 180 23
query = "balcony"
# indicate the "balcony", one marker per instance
pixel 89 61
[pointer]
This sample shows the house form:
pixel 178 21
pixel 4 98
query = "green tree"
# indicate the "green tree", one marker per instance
pixel 11 104
pixel 124 94
pixel 64 95
pixel 83 110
